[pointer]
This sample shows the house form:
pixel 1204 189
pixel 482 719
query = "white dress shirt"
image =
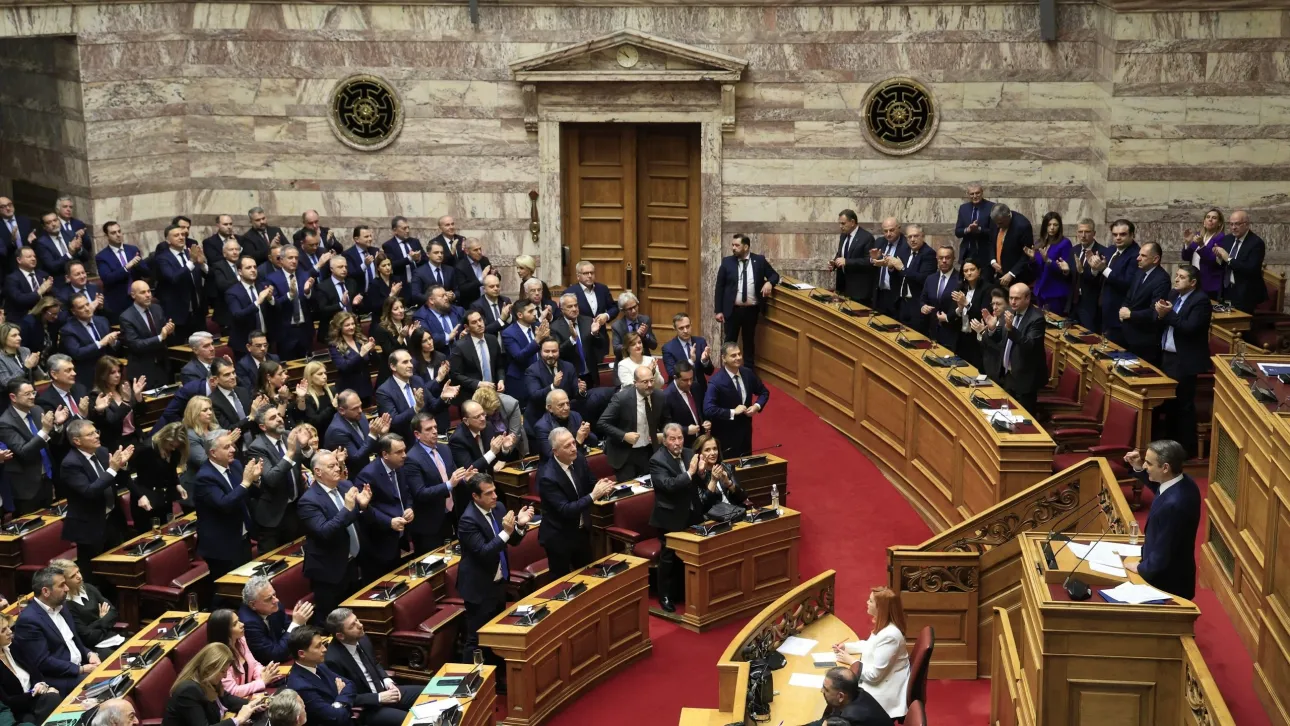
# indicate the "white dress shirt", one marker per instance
pixel 353 653
pixel 63 630
pixel 502 534
pixel 223 472
pixel 24 678
pixel 590 294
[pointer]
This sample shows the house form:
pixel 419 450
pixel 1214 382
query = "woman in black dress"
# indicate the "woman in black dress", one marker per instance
pixel 383 287
pixel 40 330
pixel 117 403
pixel 158 460
pixel 198 697
pixel 271 382
pixel 353 355
pixel 315 399
pixel 391 332
pixel 428 363
pixel 970 301
pixel 30 699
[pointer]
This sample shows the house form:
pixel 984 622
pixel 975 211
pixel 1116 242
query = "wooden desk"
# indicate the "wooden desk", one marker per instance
pixel 1230 324
pixel 127 572
pixel 730 574
pixel 477 711
pixel 920 429
pixel 576 645
pixel 11 545
pixel 230 585
pixel 806 611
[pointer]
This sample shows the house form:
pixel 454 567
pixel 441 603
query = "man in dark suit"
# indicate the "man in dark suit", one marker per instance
pixel 892 248
pixel 495 306
pixel 214 245
pixel 329 515
pixel 314 258
pixel 435 272
pixel 1242 255
pixel 404 250
pixel 234 407
pixel 86 338
pixel 454 245
pixel 119 265
pixel 520 340
pixel 181 273
pixel 678 503
pixel 475 446
pixel 250 306
pixel 361 259
pixel 744 280
pixel 1012 235
pixel 594 299
pixel 90 476
pixel 632 320
pixel 582 340
pixel 1138 320
pixel 15 231
pixel 266 622
pixel 632 425
pixel 69 226
pixel 24 286
pixel 349 428
pixel 485 529
pixel 431 479
pixel 1087 311
pixel 1184 342
pixel 989 330
pixel 559 414
pixel 222 275
pixel 690 348
pixel 390 511
pixel 854 274
pixel 28 431
pixel 1169 553
pixel 223 518
pixel 476 358
pixel 684 404
pixel 63 392
pixel 174 410
pixel 145 330
pixel 735 394
pixel 937 302
pixel 310 224
pixel 329 698
pixel 847 701
pixel 260 236
pixel 281 483
pixel 198 368
pixel 332 294
pixel 293 299
pixel 567 491
pixel 256 355
pixel 351 656
pixel 403 395
pixel 439 317
pixel 973 228
pixel 54 249
pixel 1025 367
pixel 913 264
pixel 1118 273
pixel 76 282
pixel 45 639
pixel 470 270
pixel 547 374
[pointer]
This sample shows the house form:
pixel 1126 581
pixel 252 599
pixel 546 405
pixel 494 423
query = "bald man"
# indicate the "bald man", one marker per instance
pixel 854 273
pixel 115 712
pixel 453 248
pixel 1241 256
pixel 146 332
pixel 1024 366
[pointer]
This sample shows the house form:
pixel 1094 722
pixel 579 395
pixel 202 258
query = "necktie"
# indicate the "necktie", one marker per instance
pixel 44 453
pixel 237 405
pixel 739 386
pixel 649 418
pixel 998 246
pixel 485 369
pixel 152 324
pixel 438 276
pixel 94 331
pixel 528 332
pixel 120 252
pixel 689 401
pixel 297 315
pixel 1007 346
pixel 342 294
pixel 62 246
pixel 743 285
pixel 183 256
pixel 34 285
pixel 1167 340
pixel 407 254
pixel 13 229
pixel 353 533
pixel 371 273
pixel 940 288
pixel 497 315
pixel 357 428
pixel 259 313
pixel 497 529
pixel 1236 250
pixel 685 347
pixel 71 405
pixel 443 475
pixel 577 344
pixel 398 491
pixel 846 244
pixel 412 402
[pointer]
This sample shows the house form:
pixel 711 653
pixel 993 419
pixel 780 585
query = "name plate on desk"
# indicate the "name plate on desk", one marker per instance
pixel 389 593
pixel 607 569
pixel 144 658
pixel 568 593
pixel 530 614
pixel 145 547
pixel 24 526
pixel 707 529
pixel 914 344
pixel 620 491
pixel 182 529
pixel 748 461
pixel 948 361
pixel 763 515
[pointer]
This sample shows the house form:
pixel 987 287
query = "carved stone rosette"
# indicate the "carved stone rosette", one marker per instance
pixel 1007 525
pixel 791 622
pixel 936 578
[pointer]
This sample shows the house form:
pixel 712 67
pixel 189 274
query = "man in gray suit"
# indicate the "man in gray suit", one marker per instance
pixel 274 511
pixel 632 321
pixel 631 426
pixel 27 431
pixel 146 330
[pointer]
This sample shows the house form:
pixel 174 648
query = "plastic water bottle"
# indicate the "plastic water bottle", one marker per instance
pixel 774 497
pixel 1133 532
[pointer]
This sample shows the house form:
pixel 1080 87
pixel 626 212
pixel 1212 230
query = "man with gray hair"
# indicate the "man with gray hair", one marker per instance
pixel 471 269
pixel 266 622
pixel 632 320
pixel 1168 555
pixel 223 487
pixel 260 236
pixel 90 478
pixel 202 344
pixel 351 655
pixel 567 491
pixel 594 298
pixel 77 235
pixel 973 228
pixel 115 712
pixel 1013 234
pixel 286 709
pixel 678 503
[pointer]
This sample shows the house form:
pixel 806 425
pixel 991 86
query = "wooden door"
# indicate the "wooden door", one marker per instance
pixel 631 207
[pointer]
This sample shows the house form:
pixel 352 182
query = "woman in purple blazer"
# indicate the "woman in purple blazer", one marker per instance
pixel 1198 251
pixel 1053 260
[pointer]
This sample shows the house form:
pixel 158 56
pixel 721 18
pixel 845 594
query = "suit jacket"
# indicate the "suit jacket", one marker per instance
pixel 391 399
pixel 469 287
pixel 19 298
pixel 492 326
pixel 430 323
pixel 1248 290
pixel 222 512
pixel 193 370
pixel 548 423
pixel 727 287
pixel 464 451
pixel 326 529
pixel 975 246
pixel 592 346
pixel 992 345
pixel 266 637
pixel 89 495
pixel 1169 552
pixel 605 302
pixel 452 251
pixel 390 496
pixel 244 314
pixel 424 278
pixel 1090 286
pixel 722 397
pixel 248 370
pixel 283 306
pixel 8 242
pixel 30 451
pixel 340 661
pixel 678 501
pixel 674 352
pixel 187 706
pixel 620 330
pixel 537 384
pixel 1115 286
pixel 354 257
pixel 180 291
pixel 404 266
pixel 257 243
pixel 213 246
pixel 619 419
pixel 520 353
pixel 565 509
pixel 92 627
pixel 52 260
pixel 358 446
pixel 226 414
pixel 482 552
pixel 429 490
pixel 465 366
pixel 1016 239
pixel 947 334
pixel 1141 330
pixel 1029 366
pixel 220 278
pixel 679 411
pixel 77 342
pixel 324 705
pixel 38 644
pixel 1191 335
pixel 858 278
pixel 327 302
pixel 281 481
pixel 144 349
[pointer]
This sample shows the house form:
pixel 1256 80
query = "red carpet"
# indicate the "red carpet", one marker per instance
pixel 826 470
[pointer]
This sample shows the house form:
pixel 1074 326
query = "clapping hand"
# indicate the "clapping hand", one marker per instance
pixel 104 609
pixel 977 326
pixel 1008 317
pixel 365 496
pixel 101 402
pixel 525 516
pixel 602 488
pixel 508 522
pixel 1162 308
pixel 958 296
pixel 1221 253
pixel 419 398
pixel 32 360
pixel 449 392
pixel 380 425
pixel 139 385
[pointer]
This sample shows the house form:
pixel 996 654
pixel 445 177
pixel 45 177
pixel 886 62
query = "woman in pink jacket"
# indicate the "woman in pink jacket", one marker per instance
pixel 246 677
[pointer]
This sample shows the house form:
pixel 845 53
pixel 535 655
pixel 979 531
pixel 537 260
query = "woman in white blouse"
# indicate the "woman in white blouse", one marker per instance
pixel 883 656
pixel 30 701
pixel 634 357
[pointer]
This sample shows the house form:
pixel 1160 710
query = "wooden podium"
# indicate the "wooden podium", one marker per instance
pixel 476 710
pixel 732 573
pixel 578 642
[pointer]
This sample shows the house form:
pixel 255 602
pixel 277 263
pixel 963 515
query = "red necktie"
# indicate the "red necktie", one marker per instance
pixel 71 403
pixel 693 411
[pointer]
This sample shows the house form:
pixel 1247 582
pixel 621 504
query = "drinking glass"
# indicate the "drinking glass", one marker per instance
pixel 479 657
pixel 192 602
pixel 156 525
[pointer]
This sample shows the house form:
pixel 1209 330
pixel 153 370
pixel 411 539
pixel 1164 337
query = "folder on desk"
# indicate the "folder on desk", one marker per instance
pixel 441 686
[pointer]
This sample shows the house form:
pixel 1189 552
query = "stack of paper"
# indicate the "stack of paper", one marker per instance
pixel 806 680
pixel 824 660
pixel 428 713
pixel 1102 553
pixel 248 569
pixel 794 645
pixel 1007 416
pixel 1132 594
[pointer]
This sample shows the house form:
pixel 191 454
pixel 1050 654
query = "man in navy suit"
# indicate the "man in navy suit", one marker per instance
pixel 351 655
pixel 250 306
pixel 594 298
pixel 1012 235
pixel 361 258
pixel 313 257
pixel 390 511
pixel 332 294
pixel 15 231
pixel 292 293
pixel 45 638
pixel 485 529
pixel 431 478
pixel 470 270
pixel 55 249
pixel 547 374
pixel 310 223
pixel 119 265
pixel 1118 273
pixel 495 306
pixel 744 280
pixel 214 245
pixel 582 340
pixel 180 273
pixel 90 476
pixel 735 394
pixel 265 621
pixel 520 340
pixel 1023 361
pixel 690 348
pixel 937 304
pixel 914 263
pixel 474 444
pixel 1242 257
pixel 685 404
pixel 223 515
pixel 1169 553
pixel 567 491
pixel 71 227
pixel 439 317
pixel 1087 311
pixel 24 287
pixel 328 697
pixel 893 248
pixel 854 274
pixel 349 428
pixel 434 272
pixel 973 228
pixel 86 338
pixel 257 352
pixel 476 358
pixel 404 250
pixel 559 414
pixel 145 331
pixel 454 245
pixel 402 396
pixel 1184 342
pixel 1138 320
pixel 329 514
pixel 76 281
pixel 632 321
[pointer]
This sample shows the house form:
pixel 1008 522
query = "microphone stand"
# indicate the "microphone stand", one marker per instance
pixel 1078 590
pixel 1050 555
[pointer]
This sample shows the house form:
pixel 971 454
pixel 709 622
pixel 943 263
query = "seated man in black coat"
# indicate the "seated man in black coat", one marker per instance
pixel 1169 553
pixel 265 621
pixel 567 491
pixel 845 699
pixel 351 656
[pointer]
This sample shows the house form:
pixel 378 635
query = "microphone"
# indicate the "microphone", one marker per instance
pixel 979 401
pixel 1075 587
pixel 1050 556
pixel 753 458
pixel 950 376
pixel 996 420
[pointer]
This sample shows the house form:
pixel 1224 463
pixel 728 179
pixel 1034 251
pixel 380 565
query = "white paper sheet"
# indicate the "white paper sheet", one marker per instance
pixel 111 642
pixel 1010 417
pixel 824 660
pixel 1128 550
pixel 432 559
pixel 799 286
pixel 1105 570
pixel 248 569
pixel 794 645
pixel 428 712
pixel 1274 369
pixel 806 680
pixel 638 489
pixel 1136 594
pixel 1103 553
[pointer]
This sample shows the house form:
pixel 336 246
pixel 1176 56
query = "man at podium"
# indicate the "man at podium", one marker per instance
pixel 1169 553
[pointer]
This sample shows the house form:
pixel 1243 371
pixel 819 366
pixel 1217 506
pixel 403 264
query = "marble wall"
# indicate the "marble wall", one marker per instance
pixel 205 108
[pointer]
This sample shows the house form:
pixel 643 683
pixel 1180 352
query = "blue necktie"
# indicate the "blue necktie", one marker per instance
pixel 438 276
pixel 353 533
pixel 44 453
pixel 93 330
pixel 497 530
pixel 407 391
pixel 484 367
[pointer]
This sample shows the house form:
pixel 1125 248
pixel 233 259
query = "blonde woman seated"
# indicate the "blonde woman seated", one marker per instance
pixel 198 697
pixel 634 357
pixel 883 656
pixel 504 416
pixel 246 677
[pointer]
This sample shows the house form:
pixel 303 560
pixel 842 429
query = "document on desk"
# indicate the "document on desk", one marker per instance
pixel 1103 553
pixel 1274 369
pixel 1127 550
pixel 1009 417
pixel 428 713
pixel 794 645
pixel 1107 570
pixel 248 569
pixel 799 286
pixel 111 642
pixel 1132 594
pixel 806 680
pixel 827 659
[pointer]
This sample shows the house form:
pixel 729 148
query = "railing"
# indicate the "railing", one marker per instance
pixel 1205 705
pixel 1010 705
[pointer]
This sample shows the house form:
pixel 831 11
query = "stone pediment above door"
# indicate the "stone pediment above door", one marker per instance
pixel 628 56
